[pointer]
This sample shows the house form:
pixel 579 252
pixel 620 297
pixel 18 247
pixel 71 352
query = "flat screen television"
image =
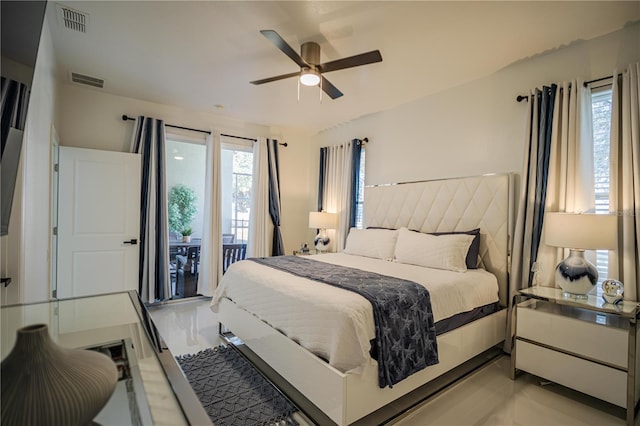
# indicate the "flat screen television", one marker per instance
pixel 21 27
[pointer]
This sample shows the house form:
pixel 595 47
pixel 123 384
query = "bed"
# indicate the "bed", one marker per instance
pixel 317 337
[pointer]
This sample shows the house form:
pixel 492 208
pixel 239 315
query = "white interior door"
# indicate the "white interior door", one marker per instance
pixel 98 222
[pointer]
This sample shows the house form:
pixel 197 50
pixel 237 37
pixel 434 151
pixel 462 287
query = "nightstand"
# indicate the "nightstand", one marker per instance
pixel 308 253
pixel 582 343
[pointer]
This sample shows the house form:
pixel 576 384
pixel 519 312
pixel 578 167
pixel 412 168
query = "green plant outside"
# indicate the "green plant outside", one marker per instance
pixel 182 209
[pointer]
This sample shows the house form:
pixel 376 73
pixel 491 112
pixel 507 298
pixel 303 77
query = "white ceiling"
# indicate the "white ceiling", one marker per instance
pixel 200 54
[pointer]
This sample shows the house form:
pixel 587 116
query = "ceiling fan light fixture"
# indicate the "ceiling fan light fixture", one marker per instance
pixel 309 77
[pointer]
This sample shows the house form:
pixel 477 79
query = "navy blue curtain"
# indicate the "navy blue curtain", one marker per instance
pixel 356 148
pixel 153 274
pixel 321 177
pixel 534 179
pixel 277 246
pixel 546 99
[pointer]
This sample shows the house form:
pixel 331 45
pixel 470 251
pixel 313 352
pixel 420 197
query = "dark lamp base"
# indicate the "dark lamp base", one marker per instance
pixel 321 242
pixel 575 274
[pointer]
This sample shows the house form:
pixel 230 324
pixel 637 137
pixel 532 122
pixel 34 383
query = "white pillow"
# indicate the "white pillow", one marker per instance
pixel 376 243
pixel 433 251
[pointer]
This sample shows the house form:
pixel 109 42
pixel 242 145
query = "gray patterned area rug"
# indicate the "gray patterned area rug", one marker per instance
pixel 232 391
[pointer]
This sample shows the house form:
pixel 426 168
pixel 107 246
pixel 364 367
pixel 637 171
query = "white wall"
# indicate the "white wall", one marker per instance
pixel 92 119
pixel 477 127
pixel 294 187
pixel 27 247
pixel 16 71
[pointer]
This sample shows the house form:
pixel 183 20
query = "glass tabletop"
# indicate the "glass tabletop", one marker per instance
pixel 153 390
pixel 625 308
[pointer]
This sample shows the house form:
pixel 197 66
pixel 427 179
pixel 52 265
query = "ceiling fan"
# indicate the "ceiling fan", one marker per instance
pixel 311 70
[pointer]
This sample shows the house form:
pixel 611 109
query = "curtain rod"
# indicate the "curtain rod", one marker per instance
pixel 600 79
pixel 521 98
pixel 251 139
pixel 125 118
pixel 363 140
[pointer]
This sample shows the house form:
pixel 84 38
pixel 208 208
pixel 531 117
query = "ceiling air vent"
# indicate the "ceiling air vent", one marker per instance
pixel 87 80
pixel 73 19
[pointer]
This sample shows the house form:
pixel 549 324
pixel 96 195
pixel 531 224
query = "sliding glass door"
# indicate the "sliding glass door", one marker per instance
pixel 185 179
pixel 185 183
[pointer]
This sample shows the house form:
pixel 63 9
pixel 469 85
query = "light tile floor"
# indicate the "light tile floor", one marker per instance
pixel 486 397
pixel 187 327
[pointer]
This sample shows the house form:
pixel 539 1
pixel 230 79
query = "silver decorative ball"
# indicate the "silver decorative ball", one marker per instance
pixel 613 291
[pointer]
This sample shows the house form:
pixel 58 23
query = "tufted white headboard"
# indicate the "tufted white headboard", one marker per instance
pixel 458 204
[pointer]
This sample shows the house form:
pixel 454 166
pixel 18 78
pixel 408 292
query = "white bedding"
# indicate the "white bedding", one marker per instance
pixel 337 324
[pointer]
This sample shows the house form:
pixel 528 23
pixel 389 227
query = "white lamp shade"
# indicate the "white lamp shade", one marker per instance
pixel 584 231
pixel 322 220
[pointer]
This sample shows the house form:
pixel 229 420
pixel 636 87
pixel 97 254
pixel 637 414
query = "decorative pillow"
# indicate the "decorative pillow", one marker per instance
pixel 376 243
pixel 473 258
pixel 433 251
pixel 474 249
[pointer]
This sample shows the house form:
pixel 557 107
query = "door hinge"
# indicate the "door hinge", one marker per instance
pixel 56 167
pixel 54 294
pixel 55 230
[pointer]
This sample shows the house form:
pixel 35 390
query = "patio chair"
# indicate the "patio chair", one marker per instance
pixel 232 253
pixel 187 272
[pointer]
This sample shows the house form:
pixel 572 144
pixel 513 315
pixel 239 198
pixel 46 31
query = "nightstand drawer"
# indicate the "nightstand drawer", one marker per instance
pixel 596 380
pixel 575 331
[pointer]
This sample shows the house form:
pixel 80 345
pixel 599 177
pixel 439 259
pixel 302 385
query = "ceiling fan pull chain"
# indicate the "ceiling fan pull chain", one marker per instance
pixel 298 90
pixel 321 90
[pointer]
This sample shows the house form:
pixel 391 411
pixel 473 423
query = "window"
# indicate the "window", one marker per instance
pixel 360 198
pixel 237 170
pixel 601 113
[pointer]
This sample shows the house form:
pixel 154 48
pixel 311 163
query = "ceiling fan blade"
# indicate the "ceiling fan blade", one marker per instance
pixel 275 38
pixel 276 78
pixel 330 89
pixel 351 61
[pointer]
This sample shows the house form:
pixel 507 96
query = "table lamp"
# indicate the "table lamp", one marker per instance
pixel 579 232
pixel 322 221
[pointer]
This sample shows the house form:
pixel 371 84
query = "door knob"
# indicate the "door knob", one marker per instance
pixel 131 241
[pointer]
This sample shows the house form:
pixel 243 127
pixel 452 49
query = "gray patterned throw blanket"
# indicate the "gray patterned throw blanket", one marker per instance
pixel 405 331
